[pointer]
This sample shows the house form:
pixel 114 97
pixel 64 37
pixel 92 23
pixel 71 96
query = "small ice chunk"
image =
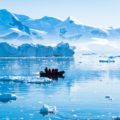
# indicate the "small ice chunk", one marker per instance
pixel 50 96
pixel 31 115
pixel 107 61
pixel 72 110
pixel 40 102
pixel 74 115
pixel 7 97
pixel 21 118
pixel 45 110
pixel 107 96
pixel 116 117
pixel 110 98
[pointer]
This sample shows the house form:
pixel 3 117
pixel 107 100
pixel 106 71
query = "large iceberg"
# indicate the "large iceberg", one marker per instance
pixel 30 50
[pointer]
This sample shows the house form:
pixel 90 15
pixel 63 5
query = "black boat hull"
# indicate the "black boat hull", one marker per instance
pixel 52 75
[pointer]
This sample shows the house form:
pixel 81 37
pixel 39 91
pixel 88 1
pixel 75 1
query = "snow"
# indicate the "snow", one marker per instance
pixel 21 28
pixel 6 17
pixel 30 50
pixel 48 109
pixel 52 27
pixel 7 97
pixel 72 19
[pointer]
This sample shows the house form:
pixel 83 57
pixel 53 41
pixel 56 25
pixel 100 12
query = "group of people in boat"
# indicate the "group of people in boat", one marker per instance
pixel 51 70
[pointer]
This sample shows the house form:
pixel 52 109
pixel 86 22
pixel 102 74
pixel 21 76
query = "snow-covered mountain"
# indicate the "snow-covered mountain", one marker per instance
pixel 15 26
pixel 12 28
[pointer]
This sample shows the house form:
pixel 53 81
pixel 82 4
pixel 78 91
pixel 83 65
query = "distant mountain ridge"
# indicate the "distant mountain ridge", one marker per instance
pixel 22 27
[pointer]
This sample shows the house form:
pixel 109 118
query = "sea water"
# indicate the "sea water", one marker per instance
pixel 90 89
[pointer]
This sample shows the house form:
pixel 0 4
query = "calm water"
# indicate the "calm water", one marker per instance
pixel 80 95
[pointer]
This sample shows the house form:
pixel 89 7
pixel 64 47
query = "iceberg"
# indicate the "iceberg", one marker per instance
pixel 116 117
pixel 63 49
pixel 30 50
pixel 45 110
pixel 7 97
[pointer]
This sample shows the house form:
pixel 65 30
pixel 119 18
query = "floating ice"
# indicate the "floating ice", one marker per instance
pixel 41 82
pixel 23 79
pixel 74 115
pixel 116 117
pixel 7 97
pixel 107 61
pixel 109 97
pixel 89 54
pixel 45 110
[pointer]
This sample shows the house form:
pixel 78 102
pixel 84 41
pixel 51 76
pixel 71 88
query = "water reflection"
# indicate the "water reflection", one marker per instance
pixel 25 66
pixel 81 93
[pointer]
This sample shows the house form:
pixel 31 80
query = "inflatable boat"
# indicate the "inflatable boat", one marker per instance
pixel 52 75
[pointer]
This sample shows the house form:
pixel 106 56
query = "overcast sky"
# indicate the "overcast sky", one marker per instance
pixel 101 13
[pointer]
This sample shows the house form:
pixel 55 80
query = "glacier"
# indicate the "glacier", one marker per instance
pixel 22 27
pixel 31 50
pixel 89 40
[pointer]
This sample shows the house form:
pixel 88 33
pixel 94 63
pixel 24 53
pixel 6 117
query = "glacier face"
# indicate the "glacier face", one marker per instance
pixel 22 27
pixel 30 50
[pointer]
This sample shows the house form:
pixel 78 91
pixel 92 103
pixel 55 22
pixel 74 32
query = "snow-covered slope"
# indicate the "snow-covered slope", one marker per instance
pixel 16 26
pixel 12 28
pixel 46 24
pixel 10 20
pixel 68 29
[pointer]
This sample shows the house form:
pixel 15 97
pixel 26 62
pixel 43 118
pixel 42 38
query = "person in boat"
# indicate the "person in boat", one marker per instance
pixel 49 71
pixel 53 70
pixel 46 70
pixel 56 70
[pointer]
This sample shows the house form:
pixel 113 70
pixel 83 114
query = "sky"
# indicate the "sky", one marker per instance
pixel 99 13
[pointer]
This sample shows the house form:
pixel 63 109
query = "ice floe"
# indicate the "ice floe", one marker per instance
pixel 107 61
pixel 45 110
pixel 109 97
pixel 23 79
pixel 7 97
pixel 116 117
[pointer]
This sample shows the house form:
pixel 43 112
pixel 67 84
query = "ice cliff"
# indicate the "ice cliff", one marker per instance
pixel 30 50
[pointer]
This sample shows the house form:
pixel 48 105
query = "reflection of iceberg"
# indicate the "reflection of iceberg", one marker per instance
pixel 7 97
pixel 30 50
pixel 28 67
pixel 16 72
